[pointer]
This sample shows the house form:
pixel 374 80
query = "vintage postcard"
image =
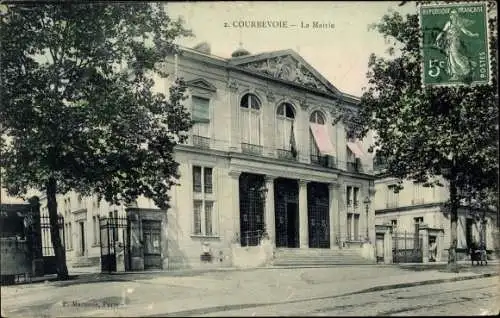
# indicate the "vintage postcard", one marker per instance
pixel 302 158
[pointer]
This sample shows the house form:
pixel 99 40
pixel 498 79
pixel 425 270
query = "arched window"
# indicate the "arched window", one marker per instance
pixel 285 134
pixel 315 118
pixel 250 119
pixel 250 101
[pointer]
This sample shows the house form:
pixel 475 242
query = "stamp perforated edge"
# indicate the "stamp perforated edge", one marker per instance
pixel 420 6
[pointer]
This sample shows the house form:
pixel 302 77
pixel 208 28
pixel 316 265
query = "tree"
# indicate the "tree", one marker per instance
pixel 78 109
pixel 424 133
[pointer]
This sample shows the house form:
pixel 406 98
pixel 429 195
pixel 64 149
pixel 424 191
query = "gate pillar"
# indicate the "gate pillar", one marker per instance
pixel 424 233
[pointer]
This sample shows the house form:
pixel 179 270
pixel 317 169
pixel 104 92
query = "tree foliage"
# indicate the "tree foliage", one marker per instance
pixel 78 107
pixel 426 132
pixel 78 103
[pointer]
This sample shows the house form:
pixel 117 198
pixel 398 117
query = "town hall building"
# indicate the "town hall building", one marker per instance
pixel 265 159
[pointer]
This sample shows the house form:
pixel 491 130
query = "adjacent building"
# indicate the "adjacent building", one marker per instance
pixel 416 207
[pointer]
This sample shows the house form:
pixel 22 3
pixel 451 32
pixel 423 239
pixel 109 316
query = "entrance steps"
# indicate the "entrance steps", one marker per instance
pixel 319 257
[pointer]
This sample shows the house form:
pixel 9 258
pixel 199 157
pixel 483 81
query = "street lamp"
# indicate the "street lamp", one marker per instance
pixel 367 201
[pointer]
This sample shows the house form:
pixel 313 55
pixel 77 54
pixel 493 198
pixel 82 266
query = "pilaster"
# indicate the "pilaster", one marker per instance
pixel 342 224
pixel 232 87
pixel 235 201
pixel 333 213
pixel 303 218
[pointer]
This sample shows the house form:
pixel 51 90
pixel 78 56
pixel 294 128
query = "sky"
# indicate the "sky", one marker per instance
pixel 339 53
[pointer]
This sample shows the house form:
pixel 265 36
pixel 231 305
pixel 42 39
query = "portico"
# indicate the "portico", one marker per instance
pixel 292 212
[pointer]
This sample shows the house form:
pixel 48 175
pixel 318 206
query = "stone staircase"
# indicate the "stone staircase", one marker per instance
pixel 319 257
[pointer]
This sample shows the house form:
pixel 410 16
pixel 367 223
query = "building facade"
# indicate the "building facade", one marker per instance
pixel 263 159
pixel 416 207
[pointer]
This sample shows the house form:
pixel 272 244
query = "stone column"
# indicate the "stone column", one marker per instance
pixel 333 213
pixel 270 215
pixel 235 202
pixel 303 217
pixel 424 232
pixel 342 213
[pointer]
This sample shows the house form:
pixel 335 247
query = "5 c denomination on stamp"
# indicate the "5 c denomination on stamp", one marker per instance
pixel 455 44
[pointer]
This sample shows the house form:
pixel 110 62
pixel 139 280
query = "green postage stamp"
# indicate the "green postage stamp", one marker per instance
pixel 454 44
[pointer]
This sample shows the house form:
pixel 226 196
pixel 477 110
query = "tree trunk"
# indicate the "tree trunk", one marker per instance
pixel 59 252
pixel 452 254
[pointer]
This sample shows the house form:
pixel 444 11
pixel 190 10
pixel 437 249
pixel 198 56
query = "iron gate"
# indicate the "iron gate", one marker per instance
pixel 318 215
pixel 286 198
pixel 49 258
pixel 115 243
pixel 407 247
pixel 251 209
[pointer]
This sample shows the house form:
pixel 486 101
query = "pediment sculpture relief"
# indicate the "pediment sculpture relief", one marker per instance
pixel 287 68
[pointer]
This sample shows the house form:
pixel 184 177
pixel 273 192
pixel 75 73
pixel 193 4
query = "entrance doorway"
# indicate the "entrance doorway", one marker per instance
pixel 469 223
pixel 82 238
pixel 292 213
pixel 152 244
pixel 318 215
pixel 286 198
pixel 251 208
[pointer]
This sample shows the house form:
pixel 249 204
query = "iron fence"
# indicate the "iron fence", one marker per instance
pixel 252 238
pixel 251 149
pixel 201 142
pixel 406 247
pixel 47 247
pixel 285 154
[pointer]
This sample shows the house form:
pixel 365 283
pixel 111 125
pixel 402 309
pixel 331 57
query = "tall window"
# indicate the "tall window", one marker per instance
pixel 418 197
pixel 250 119
pixel 197 187
pixel 316 118
pixel 285 117
pixel 353 226
pixel 203 206
pixel 355 197
pixel 394 224
pixel 392 199
pixel 355 229
pixel 201 116
pixel 349 196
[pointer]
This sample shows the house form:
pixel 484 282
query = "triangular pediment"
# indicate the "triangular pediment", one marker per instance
pixel 202 84
pixel 288 66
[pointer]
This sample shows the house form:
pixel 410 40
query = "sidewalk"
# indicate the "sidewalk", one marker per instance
pixel 138 294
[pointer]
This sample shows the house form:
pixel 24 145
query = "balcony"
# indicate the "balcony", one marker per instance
pixel 324 161
pixel 353 166
pixel 201 142
pixel 251 149
pixel 285 154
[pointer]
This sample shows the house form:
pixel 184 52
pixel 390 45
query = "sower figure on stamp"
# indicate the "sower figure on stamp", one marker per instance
pixel 459 63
